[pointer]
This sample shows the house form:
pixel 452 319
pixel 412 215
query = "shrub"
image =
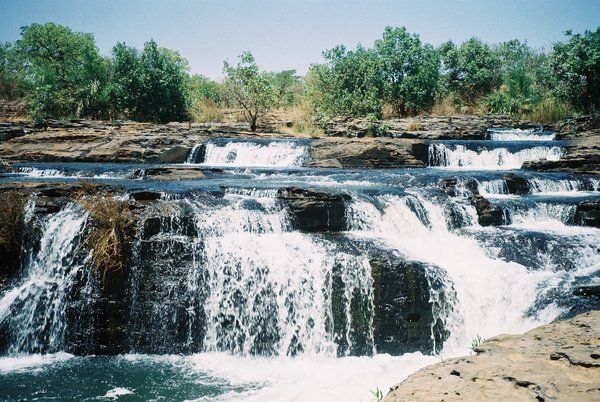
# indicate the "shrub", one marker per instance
pixel 549 110
pixel 110 232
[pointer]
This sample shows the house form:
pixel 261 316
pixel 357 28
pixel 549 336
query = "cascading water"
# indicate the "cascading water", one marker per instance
pixel 257 153
pixel 516 134
pixel 458 156
pixel 35 308
pixel 235 293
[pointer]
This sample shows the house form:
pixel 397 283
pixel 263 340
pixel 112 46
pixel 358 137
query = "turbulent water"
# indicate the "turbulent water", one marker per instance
pixel 233 295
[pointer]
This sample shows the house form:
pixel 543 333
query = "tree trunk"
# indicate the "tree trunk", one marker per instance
pixel 253 123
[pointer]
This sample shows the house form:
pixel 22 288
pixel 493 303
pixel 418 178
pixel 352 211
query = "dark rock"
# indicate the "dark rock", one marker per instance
pixel 488 213
pixel 449 186
pixel 315 211
pixel 146 195
pixel 516 184
pixel 403 321
pixel 588 291
pixel 587 213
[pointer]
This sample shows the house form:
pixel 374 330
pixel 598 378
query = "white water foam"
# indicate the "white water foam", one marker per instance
pixel 517 134
pixel 256 154
pixel 492 296
pixel 460 157
pixel 39 323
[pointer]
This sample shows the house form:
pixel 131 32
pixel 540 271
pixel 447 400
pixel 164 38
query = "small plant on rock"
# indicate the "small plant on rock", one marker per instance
pixel 475 343
pixel 111 231
pixel 377 393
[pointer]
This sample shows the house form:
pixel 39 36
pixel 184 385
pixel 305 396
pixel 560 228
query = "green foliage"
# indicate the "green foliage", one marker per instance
pixel 410 71
pixel 250 88
pixel 475 343
pixel 12 84
pixel 469 71
pixel 150 85
pixel 203 89
pixel 576 66
pixel 287 88
pixel 67 75
pixel 350 83
pixel 377 393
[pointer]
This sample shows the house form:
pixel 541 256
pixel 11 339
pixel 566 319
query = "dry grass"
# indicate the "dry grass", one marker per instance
pixel 12 214
pixel 300 120
pixel 85 189
pixel 413 125
pixel 549 110
pixel 445 107
pixel 111 231
pixel 206 112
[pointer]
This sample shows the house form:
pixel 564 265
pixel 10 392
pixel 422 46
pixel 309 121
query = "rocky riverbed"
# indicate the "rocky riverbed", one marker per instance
pixel 557 361
pixel 349 142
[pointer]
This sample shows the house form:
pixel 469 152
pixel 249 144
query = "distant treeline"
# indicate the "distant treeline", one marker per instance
pixel 61 74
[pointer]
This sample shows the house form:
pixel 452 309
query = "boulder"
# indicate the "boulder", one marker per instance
pixel 488 213
pixel 587 213
pixel 558 361
pixel 315 211
pixel 515 184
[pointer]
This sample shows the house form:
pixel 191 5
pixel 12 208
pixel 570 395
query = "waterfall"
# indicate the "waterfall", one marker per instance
pixel 517 134
pixel 482 305
pixel 458 156
pixel 36 306
pixel 255 153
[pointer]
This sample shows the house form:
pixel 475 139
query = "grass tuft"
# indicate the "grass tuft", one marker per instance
pixel 206 111
pixel 413 125
pixel 111 231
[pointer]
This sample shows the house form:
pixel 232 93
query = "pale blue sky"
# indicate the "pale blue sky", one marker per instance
pixel 292 34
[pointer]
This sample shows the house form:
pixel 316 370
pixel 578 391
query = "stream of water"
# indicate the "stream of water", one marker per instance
pixel 232 295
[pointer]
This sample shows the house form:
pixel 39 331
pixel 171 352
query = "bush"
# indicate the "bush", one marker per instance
pixel 549 110
pixel 110 232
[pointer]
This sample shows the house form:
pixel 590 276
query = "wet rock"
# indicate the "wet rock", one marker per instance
pixel 515 184
pixel 403 319
pixel 364 153
pixel 449 186
pixel 176 154
pixel 488 213
pixel 174 173
pixel 146 195
pixel 587 213
pixel 315 211
pixel 588 291
pixel 558 361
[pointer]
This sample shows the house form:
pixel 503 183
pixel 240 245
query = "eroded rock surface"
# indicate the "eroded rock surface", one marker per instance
pixel 558 361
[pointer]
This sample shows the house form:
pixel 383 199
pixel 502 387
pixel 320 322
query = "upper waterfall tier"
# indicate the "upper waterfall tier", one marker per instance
pixel 251 153
pixel 490 155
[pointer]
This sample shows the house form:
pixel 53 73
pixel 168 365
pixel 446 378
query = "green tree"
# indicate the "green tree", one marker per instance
pixel 287 87
pixel 410 71
pixel 151 85
pixel 576 66
pixel 350 83
pixel 12 85
pixel 202 88
pixel 250 88
pixel 470 71
pixel 66 73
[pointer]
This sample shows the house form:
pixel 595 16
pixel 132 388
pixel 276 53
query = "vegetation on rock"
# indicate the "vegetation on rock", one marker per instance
pixel 111 231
